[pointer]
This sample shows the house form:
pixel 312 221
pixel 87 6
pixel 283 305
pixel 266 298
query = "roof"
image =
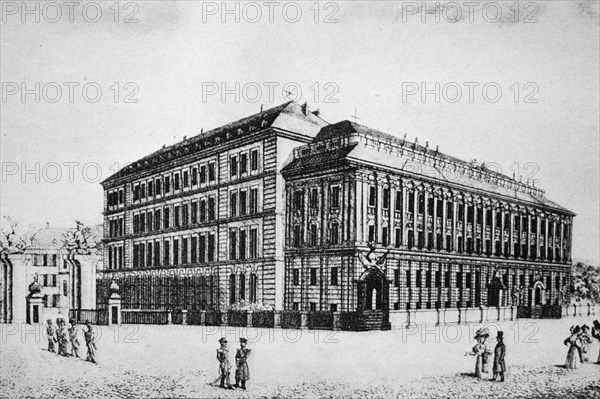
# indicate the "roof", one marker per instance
pixel 289 116
pixel 353 152
pixel 53 237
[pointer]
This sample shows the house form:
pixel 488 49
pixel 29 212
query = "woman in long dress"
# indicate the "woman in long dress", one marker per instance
pixel 574 344
pixel 586 342
pixel 482 352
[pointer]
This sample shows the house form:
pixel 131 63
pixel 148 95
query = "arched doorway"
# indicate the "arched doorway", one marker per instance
pixel 538 293
pixel 373 300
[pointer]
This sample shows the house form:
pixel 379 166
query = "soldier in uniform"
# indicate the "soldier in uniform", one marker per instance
pixel 90 343
pixel 224 366
pixel 50 333
pixel 73 332
pixel 62 336
pixel 242 372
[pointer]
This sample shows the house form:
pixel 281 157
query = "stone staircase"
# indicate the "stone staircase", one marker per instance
pixel 372 320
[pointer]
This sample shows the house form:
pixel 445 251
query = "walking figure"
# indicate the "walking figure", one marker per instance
pixel 596 334
pixel 242 372
pixel 574 343
pixel 586 341
pixel 224 365
pixel 90 342
pixel 73 332
pixel 50 333
pixel 499 354
pixel 62 336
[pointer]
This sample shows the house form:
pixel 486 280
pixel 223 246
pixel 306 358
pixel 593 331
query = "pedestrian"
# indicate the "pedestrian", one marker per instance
pixel 90 342
pixel 51 334
pixel 499 354
pixel 242 372
pixel 586 341
pixel 574 344
pixel 596 334
pixel 481 351
pixel 73 332
pixel 224 365
pixel 62 336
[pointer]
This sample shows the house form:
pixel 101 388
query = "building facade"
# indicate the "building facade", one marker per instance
pixel 449 234
pixel 198 225
pixel 67 281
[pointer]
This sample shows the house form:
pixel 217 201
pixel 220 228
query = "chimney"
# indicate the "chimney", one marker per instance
pixel 304 108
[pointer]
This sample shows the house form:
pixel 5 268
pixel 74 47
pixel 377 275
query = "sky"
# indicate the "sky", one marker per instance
pixel 89 88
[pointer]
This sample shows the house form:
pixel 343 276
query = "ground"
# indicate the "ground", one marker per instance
pixel 180 361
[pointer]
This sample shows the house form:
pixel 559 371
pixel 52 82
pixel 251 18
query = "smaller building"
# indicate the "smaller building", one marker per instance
pixel 67 279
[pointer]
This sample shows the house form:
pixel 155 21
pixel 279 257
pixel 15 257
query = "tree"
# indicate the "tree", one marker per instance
pixel 81 240
pixel 14 239
pixel 585 282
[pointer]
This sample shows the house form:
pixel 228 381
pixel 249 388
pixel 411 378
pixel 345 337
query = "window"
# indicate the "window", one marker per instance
pixel 142 255
pixel 54 280
pixel 194 176
pixel 313 235
pixel 296 306
pixel 167 184
pixel 334 233
pixel 233 166
pixel 149 254
pixel 232 288
pixel 122 196
pixel 175 251
pixel 253 201
pixel 334 276
pixel 419 278
pixel 372 195
pixel 176 214
pixel 385 236
pixel 243 202
pixel 194 212
pixel 150 188
pixel 184 250
pixel 211 171
pixel 142 223
pixel 65 288
pixel 232 204
pixel 166 218
pixel 211 247
pixel 176 182
pixel 243 163
pixel 313 276
pixel 396 277
pixel 428 279
pixel 408 280
pixel 136 193
pixel 166 254
pixel 386 198
pixel 202 249
pixel 398 205
pixel 295 276
pixel 438 279
pixel 242 249
pixel 156 253
pixel 335 197
pixel 149 221
pixel 232 244
pixel 242 293
pixel 135 255
pixel 298 200
pixel 202 210
pixel 202 174
pixel 398 238
pixel 459 282
pixel 372 233
pixel 313 307
pixel 333 307
pixel 253 243
pixel 297 236
pixel 254 160
pixel 186 178
pixel 314 198
pixel 184 215
pixel 158 187
pixel 469 278
pixel 143 191
pixel 211 208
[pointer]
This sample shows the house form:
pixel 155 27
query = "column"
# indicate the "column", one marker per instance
pixel 493 231
pixel 434 225
pixel 378 209
pixel 502 229
pixel 404 212
pixel 529 252
pixel 538 230
pixel 454 236
pixel 483 225
pixel 465 224
pixel 561 240
pixel 444 217
pixel 360 208
pixel 474 236
pixel 425 217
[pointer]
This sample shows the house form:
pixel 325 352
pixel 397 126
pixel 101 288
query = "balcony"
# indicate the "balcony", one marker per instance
pixel 386 213
pixel 469 227
pixel 409 217
pixel 448 224
pixel 397 215
pixel 371 211
pixel 496 233
pixel 459 225
pixel 478 229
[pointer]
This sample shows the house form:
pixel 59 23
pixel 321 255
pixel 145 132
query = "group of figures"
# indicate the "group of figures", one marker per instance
pixel 242 372
pixel 69 337
pixel 579 343
pixel 482 352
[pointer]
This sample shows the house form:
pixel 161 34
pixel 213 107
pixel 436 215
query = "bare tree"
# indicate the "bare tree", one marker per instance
pixel 12 239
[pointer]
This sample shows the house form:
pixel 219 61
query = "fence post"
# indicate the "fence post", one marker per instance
pixel 170 317
pixel 337 326
pixel 249 318
pixel 114 305
pixel 303 320
pixel 184 316
pixel 277 319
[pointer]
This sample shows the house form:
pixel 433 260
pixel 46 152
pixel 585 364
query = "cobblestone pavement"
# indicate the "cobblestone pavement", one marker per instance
pixel 179 361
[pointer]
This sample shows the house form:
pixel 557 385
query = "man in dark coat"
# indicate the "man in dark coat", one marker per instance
pixel 242 372
pixel 224 366
pixel 499 353
pixel 51 333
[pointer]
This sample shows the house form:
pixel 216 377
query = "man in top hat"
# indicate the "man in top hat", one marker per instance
pixel 499 354
pixel 90 342
pixel 242 372
pixel 224 366
pixel 50 333
pixel 73 332
pixel 62 336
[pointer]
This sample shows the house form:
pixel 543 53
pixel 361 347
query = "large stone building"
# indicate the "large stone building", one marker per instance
pixel 210 221
pixel 199 225
pixel 67 280
pixel 453 234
